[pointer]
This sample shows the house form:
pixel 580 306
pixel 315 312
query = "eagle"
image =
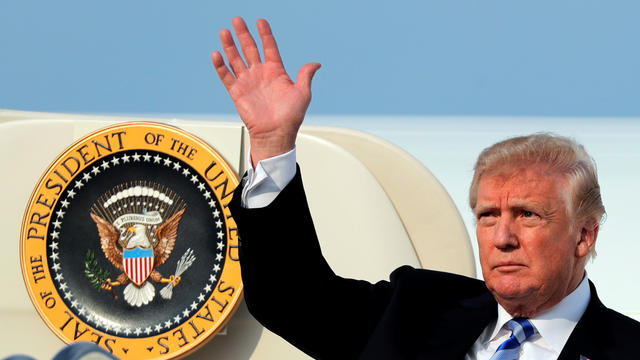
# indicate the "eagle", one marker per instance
pixel 137 237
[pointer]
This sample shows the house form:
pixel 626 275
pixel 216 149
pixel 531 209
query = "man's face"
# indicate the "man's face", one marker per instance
pixel 527 238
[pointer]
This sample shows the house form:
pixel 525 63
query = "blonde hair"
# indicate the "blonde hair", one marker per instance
pixel 561 154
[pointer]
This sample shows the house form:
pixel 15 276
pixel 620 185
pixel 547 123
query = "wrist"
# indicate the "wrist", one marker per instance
pixel 265 147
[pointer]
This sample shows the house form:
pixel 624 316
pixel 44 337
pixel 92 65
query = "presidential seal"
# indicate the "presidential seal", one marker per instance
pixel 128 242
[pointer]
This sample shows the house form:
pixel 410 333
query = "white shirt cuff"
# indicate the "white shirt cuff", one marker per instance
pixel 263 184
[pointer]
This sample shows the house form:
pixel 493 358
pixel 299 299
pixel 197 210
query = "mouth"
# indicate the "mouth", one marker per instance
pixel 508 267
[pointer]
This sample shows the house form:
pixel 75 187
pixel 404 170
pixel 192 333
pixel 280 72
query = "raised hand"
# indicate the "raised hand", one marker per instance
pixel 269 103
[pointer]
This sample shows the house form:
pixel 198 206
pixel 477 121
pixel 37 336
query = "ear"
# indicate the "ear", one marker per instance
pixel 588 236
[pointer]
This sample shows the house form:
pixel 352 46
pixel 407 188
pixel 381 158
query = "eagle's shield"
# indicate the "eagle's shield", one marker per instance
pixel 138 264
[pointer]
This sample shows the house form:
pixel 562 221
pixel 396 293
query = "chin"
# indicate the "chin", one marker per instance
pixel 509 287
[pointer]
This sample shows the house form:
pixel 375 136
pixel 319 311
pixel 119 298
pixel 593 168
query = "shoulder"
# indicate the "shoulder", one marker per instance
pixel 608 319
pixel 620 325
pixel 423 282
pixel 603 333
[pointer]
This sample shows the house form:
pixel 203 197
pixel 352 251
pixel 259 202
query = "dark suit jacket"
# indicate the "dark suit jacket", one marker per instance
pixel 418 314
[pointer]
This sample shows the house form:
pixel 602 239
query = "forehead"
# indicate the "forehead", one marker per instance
pixel 534 182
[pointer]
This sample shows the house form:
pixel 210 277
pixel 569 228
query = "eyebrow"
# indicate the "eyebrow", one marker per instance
pixel 514 204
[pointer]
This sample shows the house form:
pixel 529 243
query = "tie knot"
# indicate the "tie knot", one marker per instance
pixel 521 329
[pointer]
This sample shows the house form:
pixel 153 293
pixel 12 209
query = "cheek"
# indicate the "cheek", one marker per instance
pixel 483 237
pixel 548 252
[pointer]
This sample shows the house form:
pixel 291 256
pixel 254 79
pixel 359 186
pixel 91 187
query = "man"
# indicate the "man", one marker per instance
pixel 538 208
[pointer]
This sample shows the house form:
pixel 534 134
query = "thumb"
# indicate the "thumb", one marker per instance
pixel 305 75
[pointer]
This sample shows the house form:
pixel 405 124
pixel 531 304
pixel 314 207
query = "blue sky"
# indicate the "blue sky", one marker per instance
pixel 542 58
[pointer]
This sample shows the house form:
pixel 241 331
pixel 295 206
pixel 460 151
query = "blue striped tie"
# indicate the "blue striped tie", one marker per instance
pixel 521 329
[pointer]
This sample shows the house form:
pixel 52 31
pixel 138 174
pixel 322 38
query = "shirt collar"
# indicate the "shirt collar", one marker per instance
pixel 556 324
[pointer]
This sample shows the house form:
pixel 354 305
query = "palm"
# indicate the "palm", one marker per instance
pixel 270 104
pixel 267 99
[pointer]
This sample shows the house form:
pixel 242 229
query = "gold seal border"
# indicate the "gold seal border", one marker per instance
pixel 176 342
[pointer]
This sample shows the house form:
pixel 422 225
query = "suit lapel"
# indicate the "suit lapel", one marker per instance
pixel 584 339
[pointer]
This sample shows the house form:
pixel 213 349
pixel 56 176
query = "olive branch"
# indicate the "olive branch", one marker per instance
pixel 97 276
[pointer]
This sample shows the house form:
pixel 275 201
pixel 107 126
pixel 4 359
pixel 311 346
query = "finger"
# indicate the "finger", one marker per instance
pixel 230 49
pixel 223 71
pixel 305 75
pixel 248 45
pixel 269 46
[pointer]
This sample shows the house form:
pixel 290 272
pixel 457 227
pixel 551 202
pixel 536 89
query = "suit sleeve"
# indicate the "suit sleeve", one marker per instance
pixel 290 288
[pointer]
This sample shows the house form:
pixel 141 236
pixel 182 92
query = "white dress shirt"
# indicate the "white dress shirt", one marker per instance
pixel 264 183
pixel 554 327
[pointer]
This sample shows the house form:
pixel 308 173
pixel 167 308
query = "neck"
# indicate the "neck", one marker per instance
pixel 533 304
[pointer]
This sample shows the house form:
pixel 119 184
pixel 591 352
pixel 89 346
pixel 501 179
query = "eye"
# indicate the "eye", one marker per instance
pixel 486 218
pixel 528 214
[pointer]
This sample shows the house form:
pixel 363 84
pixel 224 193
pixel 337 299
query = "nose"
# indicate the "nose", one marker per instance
pixel 505 237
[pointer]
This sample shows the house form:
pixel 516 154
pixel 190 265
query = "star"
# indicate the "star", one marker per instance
pixel 63 286
pixel 220 234
pixel 147 330
pixel 136 157
pixel 219 223
pixel 220 245
pixel 81 311
pixel 107 326
pixel 86 177
pixel 56 267
pixel 212 203
pixel 176 319
pixel 216 268
pixel 207 195
pixel 65 203
pixel 127 331
pixel 212 278
pixel 138 331
pixel 146 157
pixel 54 245
pixel 74 303
pixel 167 162
pixel 104 165
pixel 79 184
pixel 200 297
pixel 125 158
pixel 116 329
pixel 59 277
pixel 156 159
pixel 194 305
pixel 218 257
pixel 186 172
pixel 200 186
pixel 207 288
pixel 68 295
pixel 95 170
pixel 194 179
pixel 54 256
pixel 185 313
pixel 55 235
pixel 71 193
pixel 158 327
pixel 115 161
pixel 167 324
pixel 216 213
pixel 176 166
